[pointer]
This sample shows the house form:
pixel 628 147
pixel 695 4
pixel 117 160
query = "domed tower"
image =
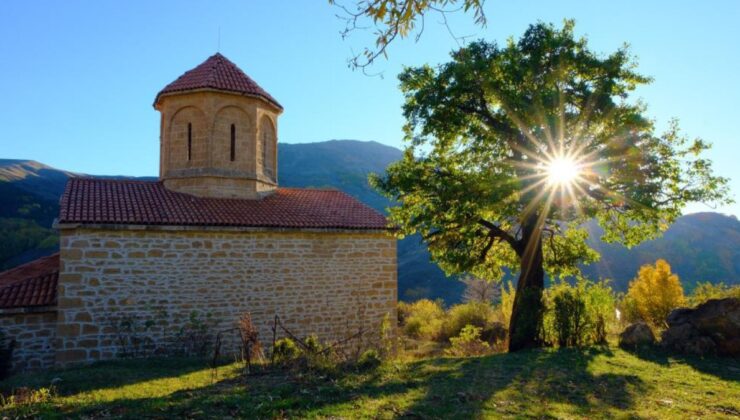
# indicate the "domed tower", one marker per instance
pixel 218 133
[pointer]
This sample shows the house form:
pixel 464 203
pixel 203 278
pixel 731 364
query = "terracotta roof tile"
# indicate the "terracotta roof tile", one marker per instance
pixel 31 284
pixel 217 72
pixel 102 201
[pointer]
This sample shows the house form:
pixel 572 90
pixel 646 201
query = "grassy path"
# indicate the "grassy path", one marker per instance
pixel 592 383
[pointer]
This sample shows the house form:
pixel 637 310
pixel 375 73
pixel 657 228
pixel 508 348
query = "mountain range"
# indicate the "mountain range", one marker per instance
pixel 699 247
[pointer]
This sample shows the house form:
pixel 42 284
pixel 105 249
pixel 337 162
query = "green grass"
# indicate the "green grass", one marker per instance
pixel 592 383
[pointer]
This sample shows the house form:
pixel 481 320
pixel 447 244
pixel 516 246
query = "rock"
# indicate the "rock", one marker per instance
pixel 711 328
pixel 701 346
pixel 676 337
pixel 678 316
pixel 636 335
pixel 718 317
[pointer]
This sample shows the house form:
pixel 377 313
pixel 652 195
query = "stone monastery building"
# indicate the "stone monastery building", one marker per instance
pixel 213 238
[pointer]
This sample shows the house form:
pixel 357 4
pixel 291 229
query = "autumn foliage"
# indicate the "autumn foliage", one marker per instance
pixel 654 293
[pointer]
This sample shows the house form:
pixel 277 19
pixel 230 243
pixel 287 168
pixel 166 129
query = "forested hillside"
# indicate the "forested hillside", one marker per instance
pixel 700 247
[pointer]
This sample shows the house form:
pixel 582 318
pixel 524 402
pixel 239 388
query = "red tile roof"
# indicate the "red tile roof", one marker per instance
pixel 217 72
pixel 103 201
pixel 31 284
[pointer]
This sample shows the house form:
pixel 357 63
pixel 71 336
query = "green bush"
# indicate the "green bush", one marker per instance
pixel 369 360
pixel 579 314
pixel 313 344
pixel 477 314
pixel 505 306
pixel 569 319
pixel 424 320
pixel 601 305
pixel 705 291
pixel 285 352
pixel 468 343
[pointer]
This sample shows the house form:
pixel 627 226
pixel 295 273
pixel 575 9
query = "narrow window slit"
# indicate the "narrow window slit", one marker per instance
pixel 233 142
pixel 190 141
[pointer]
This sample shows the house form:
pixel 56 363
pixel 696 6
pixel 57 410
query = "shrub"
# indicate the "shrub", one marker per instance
pixel 705 291
pixel 404 310
pixel 368 360
pixel 579 314
pixel 388 339
pixel 569 321
pixel 655 292
pixel 313 344
pixel 285 352
pixel 425 320
pixel 477 314
pixel 601 305
pixel 468 343
pixel 506 305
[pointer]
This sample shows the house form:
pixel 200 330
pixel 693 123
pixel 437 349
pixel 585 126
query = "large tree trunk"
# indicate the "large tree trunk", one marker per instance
pixel 526 315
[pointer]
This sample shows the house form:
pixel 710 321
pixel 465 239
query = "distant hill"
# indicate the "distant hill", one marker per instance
pixel 699 247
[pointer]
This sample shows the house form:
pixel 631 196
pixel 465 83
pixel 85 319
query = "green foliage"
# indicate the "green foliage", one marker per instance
pixel 506 305
pixel 472 181
pixel 388 339
pixel 579 314
pixel 654 293
pixel 313 344
pixel 285 352
pixel 478 314
pixel 480 117
pixel 705 291
pixel 425 320
pixel 397 19
pixel 468 343
pixel 369 360
pixel 20 235
pixel 569 315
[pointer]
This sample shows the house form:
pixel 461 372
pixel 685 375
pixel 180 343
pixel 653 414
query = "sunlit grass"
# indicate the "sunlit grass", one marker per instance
pixel 593 383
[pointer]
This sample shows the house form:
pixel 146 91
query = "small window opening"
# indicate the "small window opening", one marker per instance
pixel 233 142
pixel 190 141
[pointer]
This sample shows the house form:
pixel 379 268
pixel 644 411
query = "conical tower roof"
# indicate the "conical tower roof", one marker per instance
pixel 217 73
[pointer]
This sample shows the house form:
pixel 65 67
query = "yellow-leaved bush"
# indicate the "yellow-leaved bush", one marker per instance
pixel 654 293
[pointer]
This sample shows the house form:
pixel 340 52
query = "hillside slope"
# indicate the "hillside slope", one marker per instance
pixel 700 247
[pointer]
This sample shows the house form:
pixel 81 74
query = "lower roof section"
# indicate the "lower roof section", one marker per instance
pixel 30 285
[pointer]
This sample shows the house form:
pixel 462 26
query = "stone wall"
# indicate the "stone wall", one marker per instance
pixel 34 334
pixel 327 283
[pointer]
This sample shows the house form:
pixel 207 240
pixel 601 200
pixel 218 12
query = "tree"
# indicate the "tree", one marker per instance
pixel 397 19
pixel 655 292
pixel 479 290
pixel 512 148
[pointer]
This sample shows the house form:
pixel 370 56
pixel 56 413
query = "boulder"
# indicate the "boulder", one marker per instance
pixel 636 335
pixel 678 316
pixel 711 328
pixel 718 317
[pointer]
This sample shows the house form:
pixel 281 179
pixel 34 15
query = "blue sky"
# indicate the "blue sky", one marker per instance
pixel 77 78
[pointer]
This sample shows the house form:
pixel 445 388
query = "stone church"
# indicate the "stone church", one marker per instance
pixel 215 237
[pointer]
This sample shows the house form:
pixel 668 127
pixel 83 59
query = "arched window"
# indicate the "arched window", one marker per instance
pixel 233 142
pixel 190 141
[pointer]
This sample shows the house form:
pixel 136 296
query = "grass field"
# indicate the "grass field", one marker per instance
pixel 591 383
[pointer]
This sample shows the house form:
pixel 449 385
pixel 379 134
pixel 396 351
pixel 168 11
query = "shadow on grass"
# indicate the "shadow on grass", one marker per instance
pixel 102 375
pixel 726 368
pixel 528 383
